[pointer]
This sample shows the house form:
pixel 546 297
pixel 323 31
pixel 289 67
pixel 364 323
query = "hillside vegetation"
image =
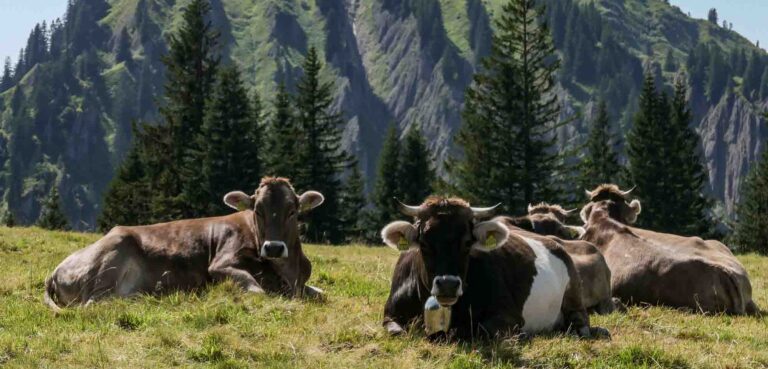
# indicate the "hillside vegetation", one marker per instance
pixel 66 110
pixel 221 327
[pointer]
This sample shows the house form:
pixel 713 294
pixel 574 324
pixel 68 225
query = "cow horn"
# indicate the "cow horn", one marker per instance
pixel 570 211
pixel 484 212
pixel 625 193
pixel 588 192
pixel 411 211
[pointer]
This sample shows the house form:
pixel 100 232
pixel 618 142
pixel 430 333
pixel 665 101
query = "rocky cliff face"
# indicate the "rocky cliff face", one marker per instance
pixel 403 62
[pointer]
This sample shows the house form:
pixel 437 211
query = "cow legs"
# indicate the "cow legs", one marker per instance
pixel 241 277
pixel 112 265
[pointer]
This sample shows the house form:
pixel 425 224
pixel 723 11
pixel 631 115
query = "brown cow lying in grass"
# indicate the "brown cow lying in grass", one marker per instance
pixel 549 220
pixel 258 248
pixel 663 269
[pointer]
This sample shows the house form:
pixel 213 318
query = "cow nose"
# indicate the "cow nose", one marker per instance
pixel 447 286
pixel 274 249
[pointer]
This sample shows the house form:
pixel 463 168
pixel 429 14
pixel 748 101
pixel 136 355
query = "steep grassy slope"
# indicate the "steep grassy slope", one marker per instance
pixel 221 327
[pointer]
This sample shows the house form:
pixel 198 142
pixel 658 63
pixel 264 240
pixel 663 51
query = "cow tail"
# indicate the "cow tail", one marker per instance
pixel 48 295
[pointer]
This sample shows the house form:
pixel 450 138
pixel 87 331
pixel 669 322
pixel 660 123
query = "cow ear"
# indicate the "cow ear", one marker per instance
pixel 238 200
pixel 585 211
pixel 310 200
pixel 634 211
pixel 399 235
pixel 490 235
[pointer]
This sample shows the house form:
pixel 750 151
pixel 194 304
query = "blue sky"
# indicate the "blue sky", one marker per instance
pixel 17 17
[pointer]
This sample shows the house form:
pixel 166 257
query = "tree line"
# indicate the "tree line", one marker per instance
pixel 214 137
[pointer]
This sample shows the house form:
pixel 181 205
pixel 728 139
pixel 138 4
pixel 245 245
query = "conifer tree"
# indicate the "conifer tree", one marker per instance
pixel 387 186
pixel 415 174
pixel 688 176
pixel 352 207
pixel 6 81
pixel 191 67
pixel 752 74
pixel 712 16
pixel 51 215
pixel 670 65
pixel 127 200
pixel 282 135
pixel 228 156
pixel 764 85
pixel 601 164
pixel 646 154
pixel 123 49
pixel 510 111
pixel 665 164
pixel 321 158
pixel 751 228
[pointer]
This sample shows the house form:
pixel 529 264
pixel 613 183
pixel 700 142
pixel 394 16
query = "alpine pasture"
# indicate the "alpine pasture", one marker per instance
pixel 222 327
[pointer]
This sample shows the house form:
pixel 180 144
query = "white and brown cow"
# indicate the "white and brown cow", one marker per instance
pixel 257 247
pixel 663 269
pixel 495 279
pixel 595 276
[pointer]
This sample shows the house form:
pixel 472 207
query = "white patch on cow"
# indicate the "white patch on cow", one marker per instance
pixel 541 310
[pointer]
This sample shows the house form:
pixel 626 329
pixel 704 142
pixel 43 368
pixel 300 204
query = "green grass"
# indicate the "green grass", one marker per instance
pixel 222 327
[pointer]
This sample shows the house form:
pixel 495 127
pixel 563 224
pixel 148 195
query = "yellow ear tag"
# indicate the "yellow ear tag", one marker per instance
pixel 403 244
pixel 490 241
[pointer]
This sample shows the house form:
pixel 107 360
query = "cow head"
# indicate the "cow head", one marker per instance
pixel 444 232
pixel 550 220
pixel 276 208
pixel 610 199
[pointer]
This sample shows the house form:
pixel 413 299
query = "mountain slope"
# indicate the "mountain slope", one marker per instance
pixel 407 62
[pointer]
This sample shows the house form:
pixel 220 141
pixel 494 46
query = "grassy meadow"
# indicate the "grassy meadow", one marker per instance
pixel 222 327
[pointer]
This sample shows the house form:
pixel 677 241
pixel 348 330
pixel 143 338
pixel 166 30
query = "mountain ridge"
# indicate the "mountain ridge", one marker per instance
pixel 403 62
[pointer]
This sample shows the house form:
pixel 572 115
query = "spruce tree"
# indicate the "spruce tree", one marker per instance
pixel 665 163
pixel 282 135
pixel 646 156
pixel 6 81
pixel 510 112
pixel 51 215
pixel 387 186
pixel 601 164
pixel 751 228
pixel 321 158
pixel 415 174
pixel 352 207
pixel 229 149
pixel 764 85
pixel 191 66
pixel 688 176
pixel 127 200
pixel 752 74
pixel 712 16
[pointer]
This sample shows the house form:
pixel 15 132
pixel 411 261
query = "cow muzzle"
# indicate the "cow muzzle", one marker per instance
pixel 274 250
pixel 447 289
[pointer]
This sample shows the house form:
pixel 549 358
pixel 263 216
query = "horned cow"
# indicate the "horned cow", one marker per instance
pixel 663 269
pixel 495 279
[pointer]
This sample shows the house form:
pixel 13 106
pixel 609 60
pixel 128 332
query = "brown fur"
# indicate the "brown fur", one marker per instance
pixel 497 282
pixel 595 276
pixel 663 269
pixel 188 254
